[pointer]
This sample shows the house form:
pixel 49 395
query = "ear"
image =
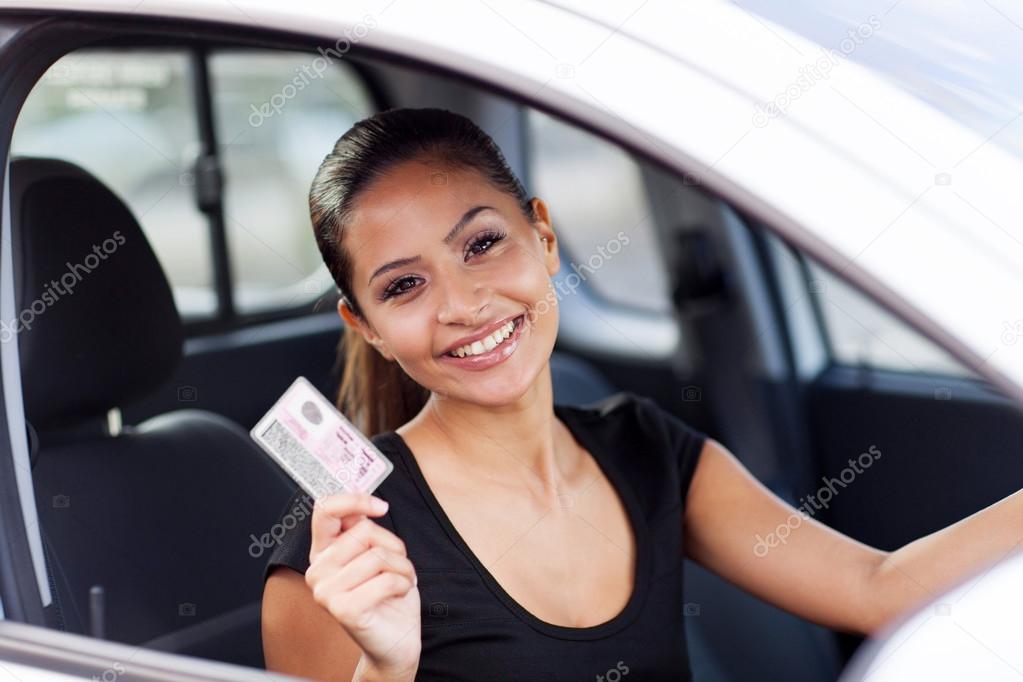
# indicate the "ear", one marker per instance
pixel 355 322
pixel 549 248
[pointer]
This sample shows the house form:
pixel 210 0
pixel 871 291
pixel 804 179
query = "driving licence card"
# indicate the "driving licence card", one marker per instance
pixel 318 447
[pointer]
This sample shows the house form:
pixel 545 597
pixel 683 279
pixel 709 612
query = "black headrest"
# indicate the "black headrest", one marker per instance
pixel 96 324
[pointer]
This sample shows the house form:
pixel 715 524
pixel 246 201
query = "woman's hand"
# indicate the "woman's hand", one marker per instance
pixel 359 572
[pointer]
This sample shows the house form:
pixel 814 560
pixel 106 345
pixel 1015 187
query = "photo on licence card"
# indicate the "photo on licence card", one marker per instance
pixel 317 446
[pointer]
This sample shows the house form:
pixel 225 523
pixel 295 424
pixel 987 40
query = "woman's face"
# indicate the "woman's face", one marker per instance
pixel 431 268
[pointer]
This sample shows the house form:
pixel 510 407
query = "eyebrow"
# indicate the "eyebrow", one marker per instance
pixel 459 226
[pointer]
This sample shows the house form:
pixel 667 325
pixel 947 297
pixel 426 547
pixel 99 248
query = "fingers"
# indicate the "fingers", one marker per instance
pixel 363 566
pixel 355 608
pixel 357 589
pixel 333 514
pixel 366 565
pixel 362 537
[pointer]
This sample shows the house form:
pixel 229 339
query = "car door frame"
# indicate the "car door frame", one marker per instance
pixel 19 69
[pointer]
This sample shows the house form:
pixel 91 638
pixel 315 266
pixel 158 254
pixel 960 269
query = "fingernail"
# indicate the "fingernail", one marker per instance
pixel 378 505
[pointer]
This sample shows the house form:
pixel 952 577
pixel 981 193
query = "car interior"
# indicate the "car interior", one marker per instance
pixel 179 156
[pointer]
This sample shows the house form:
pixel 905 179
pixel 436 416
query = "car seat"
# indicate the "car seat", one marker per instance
pixel 165 516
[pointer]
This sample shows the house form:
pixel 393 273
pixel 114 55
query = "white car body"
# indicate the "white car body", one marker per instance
pixel 970 632
pixel 926 220
pixel 918 211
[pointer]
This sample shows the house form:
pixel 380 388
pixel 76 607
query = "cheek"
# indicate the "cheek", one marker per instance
pixel 409 334
pixel 522 273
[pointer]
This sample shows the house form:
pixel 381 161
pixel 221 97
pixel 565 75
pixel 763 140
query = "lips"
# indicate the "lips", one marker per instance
pixel 495 357
pixel 487 331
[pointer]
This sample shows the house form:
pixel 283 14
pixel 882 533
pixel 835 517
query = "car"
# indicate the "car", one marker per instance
pixel 963 632
pixel 791 250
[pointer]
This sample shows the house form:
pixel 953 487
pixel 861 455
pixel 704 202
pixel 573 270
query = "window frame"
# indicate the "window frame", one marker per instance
pixel 39 40
pixel 227 316
pixel 208 167
pixel 834 363
pixel 47 36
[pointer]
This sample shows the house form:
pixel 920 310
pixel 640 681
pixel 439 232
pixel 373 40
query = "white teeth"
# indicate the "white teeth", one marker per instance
pixel 486 344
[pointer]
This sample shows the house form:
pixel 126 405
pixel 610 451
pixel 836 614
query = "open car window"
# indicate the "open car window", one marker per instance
pixel 131 117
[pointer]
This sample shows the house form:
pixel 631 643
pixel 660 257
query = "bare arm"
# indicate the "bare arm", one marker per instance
pixel 817 572
pixel 926 567
pixel 301 638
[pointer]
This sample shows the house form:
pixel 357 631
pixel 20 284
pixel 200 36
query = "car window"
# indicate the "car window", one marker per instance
pixel 278 114
pixel 862 333
pixel 128 117
pixel 606 227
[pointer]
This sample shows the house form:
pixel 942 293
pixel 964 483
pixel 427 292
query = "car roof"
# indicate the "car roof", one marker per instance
pixel 908 205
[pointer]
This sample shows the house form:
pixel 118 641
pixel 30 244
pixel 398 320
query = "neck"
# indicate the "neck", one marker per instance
pixel 520 444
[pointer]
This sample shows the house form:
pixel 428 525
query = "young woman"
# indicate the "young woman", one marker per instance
pixel 525 539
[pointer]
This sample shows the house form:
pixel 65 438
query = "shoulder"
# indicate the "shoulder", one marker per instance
pixel 627 409
pixel 644 438
pixel 653 449
pixel 618 406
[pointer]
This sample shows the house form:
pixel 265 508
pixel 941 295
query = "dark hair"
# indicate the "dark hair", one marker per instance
pixel 376 394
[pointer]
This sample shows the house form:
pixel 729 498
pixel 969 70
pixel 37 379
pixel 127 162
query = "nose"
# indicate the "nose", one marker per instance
pixel 463 299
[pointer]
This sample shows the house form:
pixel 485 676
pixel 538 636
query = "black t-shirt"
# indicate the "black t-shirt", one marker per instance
pixel 473 630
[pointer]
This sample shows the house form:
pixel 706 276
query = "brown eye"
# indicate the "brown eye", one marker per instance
pixel 483 243
pixel 396 288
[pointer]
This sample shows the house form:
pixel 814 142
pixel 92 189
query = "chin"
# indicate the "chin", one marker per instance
pixel 501 388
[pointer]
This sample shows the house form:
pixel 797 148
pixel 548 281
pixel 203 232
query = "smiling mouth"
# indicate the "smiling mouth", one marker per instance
pixel 516 322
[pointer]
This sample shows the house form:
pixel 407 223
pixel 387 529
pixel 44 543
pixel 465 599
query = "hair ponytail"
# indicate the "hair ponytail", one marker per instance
pixel 376 394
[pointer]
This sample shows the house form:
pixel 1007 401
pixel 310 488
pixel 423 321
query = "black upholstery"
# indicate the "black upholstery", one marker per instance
pixel 162 515
pixel 575 381
pixel 100 326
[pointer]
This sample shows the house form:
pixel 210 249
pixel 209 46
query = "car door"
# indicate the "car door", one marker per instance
pixel 618 330
pixel 745 179
pixel 903 438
